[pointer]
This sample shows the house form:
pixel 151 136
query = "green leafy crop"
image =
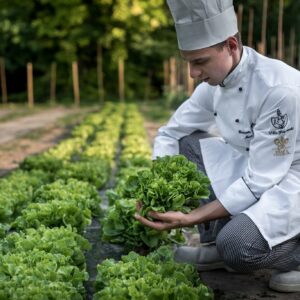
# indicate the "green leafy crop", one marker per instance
pixel 172 183
pixel 156 276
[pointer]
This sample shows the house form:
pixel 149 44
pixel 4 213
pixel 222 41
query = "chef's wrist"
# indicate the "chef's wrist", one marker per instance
pixel 191 218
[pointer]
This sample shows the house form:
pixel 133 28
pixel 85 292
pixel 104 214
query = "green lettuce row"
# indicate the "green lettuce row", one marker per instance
pixel 36 274
pixel 55 158
pixel 16 192
pixel 104 145
pixel 94 171
pixel 61 204
pixel 63 240
pixel 119 226
pixel 136 150
pixel 156 276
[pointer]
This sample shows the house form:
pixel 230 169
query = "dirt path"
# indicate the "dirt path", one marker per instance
pixel 16 128
pixel 34 133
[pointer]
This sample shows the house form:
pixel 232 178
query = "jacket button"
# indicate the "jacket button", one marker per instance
pixel 240 89
pixel 215 114
pixel 237 120
pixel 247 149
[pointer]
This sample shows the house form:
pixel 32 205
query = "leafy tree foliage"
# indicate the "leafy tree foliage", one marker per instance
pixel 139 31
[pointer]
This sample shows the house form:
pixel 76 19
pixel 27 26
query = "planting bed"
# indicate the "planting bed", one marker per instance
pixel 69 209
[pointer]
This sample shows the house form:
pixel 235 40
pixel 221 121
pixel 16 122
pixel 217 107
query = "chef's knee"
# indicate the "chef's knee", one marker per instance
pixel 236 251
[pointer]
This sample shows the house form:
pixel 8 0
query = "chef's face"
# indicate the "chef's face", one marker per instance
pixel 213 64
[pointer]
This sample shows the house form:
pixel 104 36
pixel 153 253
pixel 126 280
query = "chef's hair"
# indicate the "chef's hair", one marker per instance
pixel 222 44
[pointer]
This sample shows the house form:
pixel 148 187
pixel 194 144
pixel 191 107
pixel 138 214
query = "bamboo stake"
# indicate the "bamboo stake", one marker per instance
pixel 30 85
pixel 240 17
pixel 264 27
pixel 121 80
pixel 76 89
pixel 53 82
pixel 100 76
pixel 250 27
pixel 280 21
pixel 3 80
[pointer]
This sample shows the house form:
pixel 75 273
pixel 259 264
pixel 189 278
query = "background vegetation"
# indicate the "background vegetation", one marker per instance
pixel 139 31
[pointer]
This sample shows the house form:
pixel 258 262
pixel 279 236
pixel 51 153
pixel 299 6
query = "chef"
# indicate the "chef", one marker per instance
pixel 254 161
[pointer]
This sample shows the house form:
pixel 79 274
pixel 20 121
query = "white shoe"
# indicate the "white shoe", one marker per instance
pixel 285 281
pixel 204 258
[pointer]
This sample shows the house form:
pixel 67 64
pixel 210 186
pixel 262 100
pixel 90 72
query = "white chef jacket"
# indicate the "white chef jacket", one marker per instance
pixel 254 166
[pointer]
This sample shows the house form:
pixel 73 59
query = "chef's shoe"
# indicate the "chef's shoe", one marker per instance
pixel 285 281
pixel 203 257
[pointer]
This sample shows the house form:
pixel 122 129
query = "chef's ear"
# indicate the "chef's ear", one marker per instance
pixel 232 44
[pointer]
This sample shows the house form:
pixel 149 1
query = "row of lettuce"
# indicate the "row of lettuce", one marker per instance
pixel 168 183
pixel 46 205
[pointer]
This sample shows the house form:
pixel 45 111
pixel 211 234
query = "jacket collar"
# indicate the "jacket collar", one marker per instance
pixel 234 77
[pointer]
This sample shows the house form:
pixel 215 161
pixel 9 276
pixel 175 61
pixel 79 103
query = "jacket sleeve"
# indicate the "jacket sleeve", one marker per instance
pixel 271 150
pixel 196 113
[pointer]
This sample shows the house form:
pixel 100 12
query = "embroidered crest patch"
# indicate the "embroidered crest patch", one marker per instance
pixel 282 148
pixel 280 121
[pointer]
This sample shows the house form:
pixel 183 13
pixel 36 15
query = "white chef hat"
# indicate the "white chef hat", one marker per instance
pixel 202 23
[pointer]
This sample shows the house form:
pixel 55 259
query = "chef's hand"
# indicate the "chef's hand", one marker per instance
pixel 175 219
pixel 162 221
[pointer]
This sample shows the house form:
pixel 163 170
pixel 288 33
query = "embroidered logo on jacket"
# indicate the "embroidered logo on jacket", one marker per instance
pixel 281 144
pixel 280 121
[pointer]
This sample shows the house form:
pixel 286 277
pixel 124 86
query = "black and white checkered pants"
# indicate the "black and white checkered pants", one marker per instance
pixel 238 240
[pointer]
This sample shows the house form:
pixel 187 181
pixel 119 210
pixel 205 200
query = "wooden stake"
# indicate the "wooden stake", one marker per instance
pixel 264 27
pixel 240 17
pixel 166 74
pixel 280 21
pixel 292 47
pixel 76 89
pixel 172 74
pixel 53 82
pixel 3 80
pixel 273 47
pixel 100 75
pixel 178 72
pixel 190 80
pixel 121 80
pixel 283 47
pixel 298 56
pixel 250 28
pixel 30 85
pixel 260 47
